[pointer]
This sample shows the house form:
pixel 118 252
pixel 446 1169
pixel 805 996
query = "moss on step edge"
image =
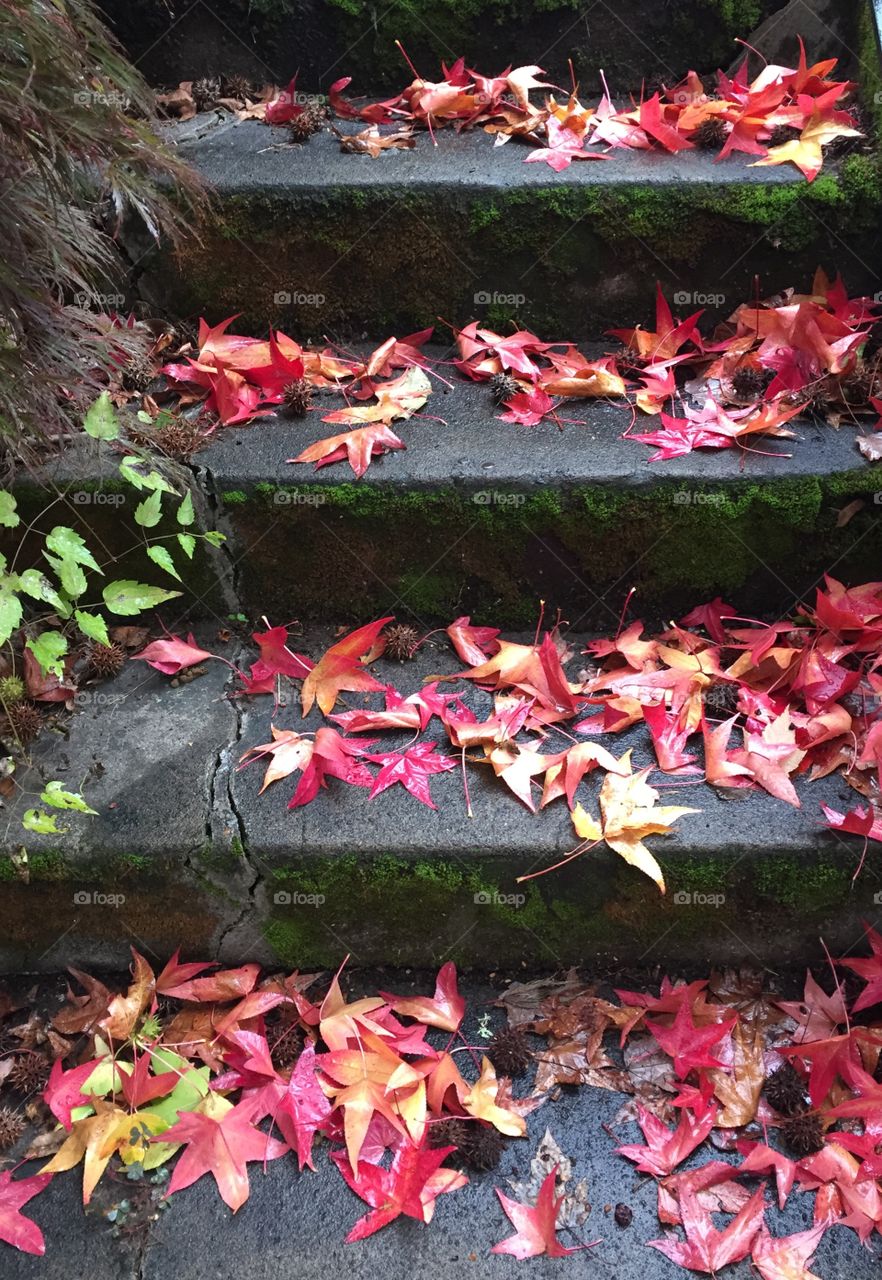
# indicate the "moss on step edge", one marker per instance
pixel 421 912
pixel 351 548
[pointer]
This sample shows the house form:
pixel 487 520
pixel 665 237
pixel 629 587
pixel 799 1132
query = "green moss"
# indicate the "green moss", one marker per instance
pixel 870 65
pixel 234 496
pixel 805 886
pixel 499 557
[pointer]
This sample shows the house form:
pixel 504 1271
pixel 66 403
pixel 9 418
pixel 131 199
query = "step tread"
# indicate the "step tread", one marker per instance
pixel 146 736
pixel 473 447
pixel 295 1226
pixel 242 155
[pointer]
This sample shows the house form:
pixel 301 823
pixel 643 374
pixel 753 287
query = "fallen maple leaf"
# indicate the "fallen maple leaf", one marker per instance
pixel 806 151
pixel 705 1248
pixel 15 1228
pixel 172 655
pixel 343 666
pixel 445 1009
pixel 535 1225
pixel 786 1257
pixel 219 1139
pixel 371 142
pixel 412 768
pixel 359 446
pixel 629 814
pixel 409 1186
pixel 666 1148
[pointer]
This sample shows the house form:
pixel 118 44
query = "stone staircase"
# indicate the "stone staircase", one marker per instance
pixel 474 517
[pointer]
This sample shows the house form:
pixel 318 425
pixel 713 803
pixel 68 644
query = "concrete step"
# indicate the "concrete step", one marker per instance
pixel 480 516
pixel 317 241
pixel 184 849
pixel 635 40
pixel 295 1224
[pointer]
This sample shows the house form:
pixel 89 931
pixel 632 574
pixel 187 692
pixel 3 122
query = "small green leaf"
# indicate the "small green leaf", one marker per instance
pixel 93 626
pixel 128 597
pixel 42 823
pixel 38 587
pixel 214 538
pixel 142 476
pixel 55 795
pixel 70 575
pixel 8 516
pixel 149 512
pixel 186 514
pixel 188 544
pixel 10 614
pixel 160 555
pixel 70 546
pixel 100 421
pixel 49 649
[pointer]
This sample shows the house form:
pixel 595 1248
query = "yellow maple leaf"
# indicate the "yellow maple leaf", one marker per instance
pixel 806 151
pixel 629 812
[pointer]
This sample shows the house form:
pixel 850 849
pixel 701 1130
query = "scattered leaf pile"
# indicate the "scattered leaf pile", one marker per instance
pixel 225 1053
pixel 219 1069
pixel 770 361
pixel 725 701
pixel 785 1089
pixel 784 115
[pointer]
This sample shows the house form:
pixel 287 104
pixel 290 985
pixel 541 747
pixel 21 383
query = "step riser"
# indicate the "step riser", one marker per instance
pixel 349 553
pixel 310 914
pixel 635 40
pixel 566 262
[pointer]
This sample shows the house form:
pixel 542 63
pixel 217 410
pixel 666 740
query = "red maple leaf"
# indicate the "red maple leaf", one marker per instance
pixel 220 1144
pixel 705 1248
pixel 816 1014
pixel 172 655
pixel 870 969
pixel 412 768
pixel 15 1228
pixel 410 1186
pixel 666 1148
pixel 536 1225
pixel 297 1105
pixel 786 1257
pixel 63 1089
pixel 344 667
pixel 686 1043
pixel 445 1009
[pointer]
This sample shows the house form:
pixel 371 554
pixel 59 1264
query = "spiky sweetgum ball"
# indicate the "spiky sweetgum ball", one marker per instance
pixel 804 1134
pixel 12 1126
pixel 785 1090
pixel 401 642
pixel 510 1052
pixel 710 134
pixel 749 382
pixel 11 690
pixel 24 720
pixel 482 1147
pixel 107 660
pixel 297 397
pixel 504 386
